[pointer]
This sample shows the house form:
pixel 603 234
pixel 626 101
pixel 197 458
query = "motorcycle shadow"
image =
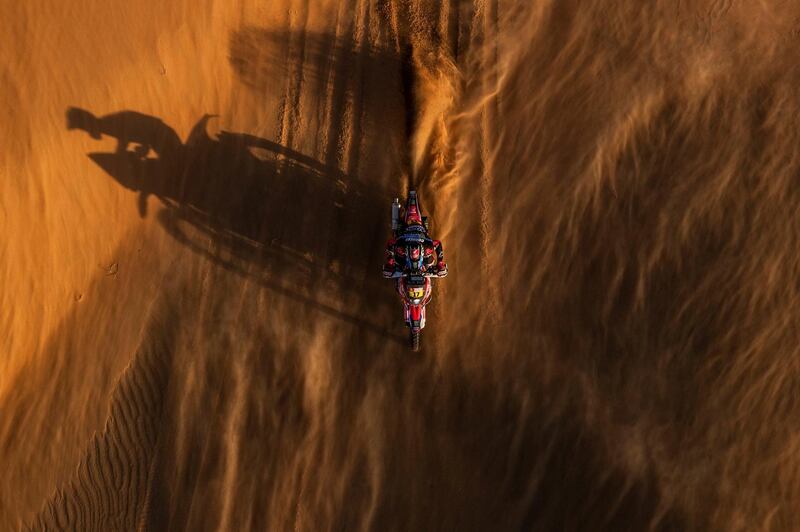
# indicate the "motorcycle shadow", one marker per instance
pixel 257 209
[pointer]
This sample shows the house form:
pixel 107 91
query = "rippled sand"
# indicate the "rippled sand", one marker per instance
pixel 195 200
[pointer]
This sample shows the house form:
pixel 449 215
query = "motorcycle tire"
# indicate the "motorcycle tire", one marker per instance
pixel 414 339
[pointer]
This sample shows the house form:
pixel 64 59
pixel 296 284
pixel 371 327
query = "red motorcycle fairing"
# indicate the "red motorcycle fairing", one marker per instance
pixel 412 214
pixel 414 309
pixel 414 314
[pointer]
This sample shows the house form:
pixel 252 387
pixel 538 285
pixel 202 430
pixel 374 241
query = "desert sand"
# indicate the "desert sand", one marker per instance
pixel 195 201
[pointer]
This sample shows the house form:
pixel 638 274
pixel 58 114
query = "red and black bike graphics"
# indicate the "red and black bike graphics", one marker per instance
pixel 414 258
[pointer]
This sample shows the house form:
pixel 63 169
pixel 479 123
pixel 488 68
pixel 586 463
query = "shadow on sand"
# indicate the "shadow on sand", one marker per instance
pixel 245 201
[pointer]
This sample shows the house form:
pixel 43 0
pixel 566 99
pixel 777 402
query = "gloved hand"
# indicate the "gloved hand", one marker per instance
pixel 442 272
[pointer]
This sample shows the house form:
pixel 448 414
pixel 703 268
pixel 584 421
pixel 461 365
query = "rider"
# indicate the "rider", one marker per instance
pixel 413 240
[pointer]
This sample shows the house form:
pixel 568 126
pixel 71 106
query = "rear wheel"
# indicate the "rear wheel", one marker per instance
pixel 414 339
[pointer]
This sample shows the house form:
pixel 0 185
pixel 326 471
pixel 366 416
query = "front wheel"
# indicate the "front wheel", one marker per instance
pixel 414 339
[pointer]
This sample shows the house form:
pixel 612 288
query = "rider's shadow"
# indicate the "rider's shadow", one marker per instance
pixel 257 202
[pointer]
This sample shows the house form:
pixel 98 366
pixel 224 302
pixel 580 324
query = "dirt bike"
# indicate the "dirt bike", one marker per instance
pixel 414 285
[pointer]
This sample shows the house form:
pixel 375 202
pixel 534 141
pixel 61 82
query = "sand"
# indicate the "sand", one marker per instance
pixel 195 200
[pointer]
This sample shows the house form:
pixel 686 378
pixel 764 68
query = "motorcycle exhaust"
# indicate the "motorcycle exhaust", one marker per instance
pixel 396 215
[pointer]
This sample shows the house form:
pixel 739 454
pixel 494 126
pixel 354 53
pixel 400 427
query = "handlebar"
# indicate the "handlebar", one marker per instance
pixel 397 275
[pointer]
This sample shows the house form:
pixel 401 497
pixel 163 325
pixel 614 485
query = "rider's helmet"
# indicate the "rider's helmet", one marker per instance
pixel 415 255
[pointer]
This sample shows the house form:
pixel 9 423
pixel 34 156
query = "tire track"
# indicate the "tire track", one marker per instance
pixel 355 94
pixel 289 109
pixel 296 110
pixel 336 97
pixel 489 133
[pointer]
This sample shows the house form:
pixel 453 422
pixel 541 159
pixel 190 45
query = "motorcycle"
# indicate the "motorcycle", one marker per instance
pixel 413 282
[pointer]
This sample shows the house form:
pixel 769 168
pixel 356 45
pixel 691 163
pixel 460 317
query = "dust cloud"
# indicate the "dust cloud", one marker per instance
pixel 195 199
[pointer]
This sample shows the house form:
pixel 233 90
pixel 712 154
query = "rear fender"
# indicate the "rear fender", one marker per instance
pixel 416 317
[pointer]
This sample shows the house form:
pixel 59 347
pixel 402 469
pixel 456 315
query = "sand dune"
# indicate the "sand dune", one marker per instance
pixel 195 202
